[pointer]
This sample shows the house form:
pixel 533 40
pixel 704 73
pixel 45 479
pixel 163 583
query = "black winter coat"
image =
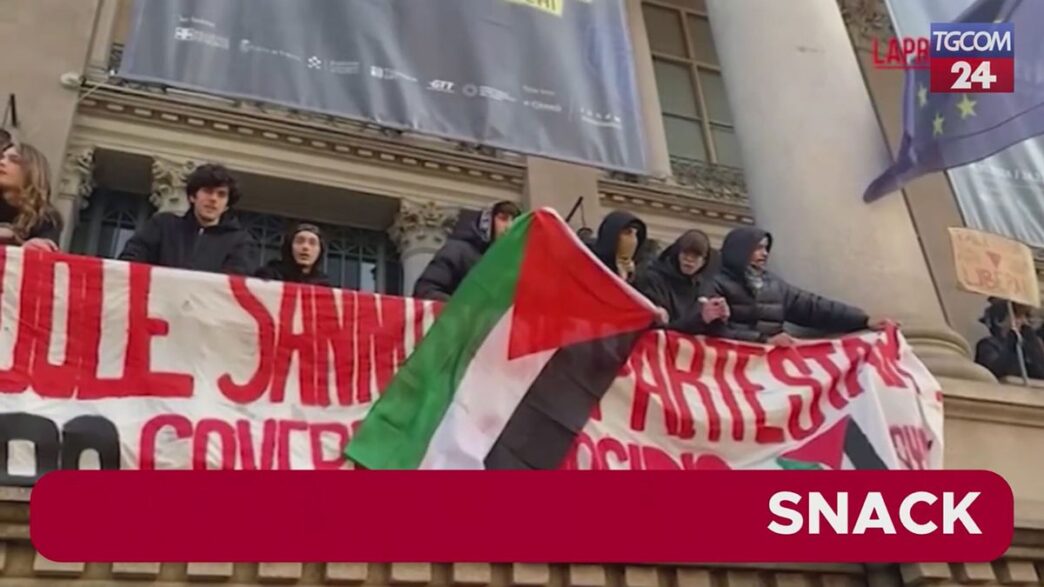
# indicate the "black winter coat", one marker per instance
pixel 169 240
pixel 756 316
pixel 666 286
pixel 470 238
pixel 998 354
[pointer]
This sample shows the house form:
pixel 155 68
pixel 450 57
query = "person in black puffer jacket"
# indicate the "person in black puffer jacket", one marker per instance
pixel 471 238
pixel 302 257
pixel 681 281
pixel 206 238
pixel 761 302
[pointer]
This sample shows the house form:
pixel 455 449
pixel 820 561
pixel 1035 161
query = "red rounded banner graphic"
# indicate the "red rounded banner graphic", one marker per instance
pixel 521 516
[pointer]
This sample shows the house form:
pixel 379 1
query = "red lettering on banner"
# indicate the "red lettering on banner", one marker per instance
pixel 778 361
pixel 269 431
pixel 859 352
pixel 147 444
pixel 49 381
pixel 644 358
pixel 289 343
pixel 572 461
pixel 381 320
pixel 141 328
pixel 609 453
pixel 763 432
pixel 707 462
pixel 224 432
pixel 677 409
pixel 912 445
pixel 16 379
pixel 253 389
pixel 609 446
pixel 88 299
pixel 889 350
pixel 286 427
pixel 76 376
pixel 319 460
pixel 822 354
pixel 678 378
pixel 656 459
pixel 239 447
pixel 722 348
pixel 335 333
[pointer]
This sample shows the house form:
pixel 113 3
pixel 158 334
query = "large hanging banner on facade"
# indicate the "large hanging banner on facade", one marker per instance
pixel 117 365
pixel 1003 193
pixel 547 77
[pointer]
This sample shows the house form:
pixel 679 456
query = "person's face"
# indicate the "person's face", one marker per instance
pixel 759 258
pixel 210 203
pixel 306 248
pixel 690 263
pixel 1020 320
pixel 12 173
pixel 501 223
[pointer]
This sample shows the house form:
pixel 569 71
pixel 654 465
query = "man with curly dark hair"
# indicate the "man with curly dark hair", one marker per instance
pixel 206 238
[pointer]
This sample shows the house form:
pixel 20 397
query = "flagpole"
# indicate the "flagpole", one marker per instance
pixel 1018 345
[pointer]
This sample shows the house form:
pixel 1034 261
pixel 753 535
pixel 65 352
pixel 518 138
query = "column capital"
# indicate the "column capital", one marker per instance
pixel 77 174
pixel 866 20
pixel 168 184
pixel 422 225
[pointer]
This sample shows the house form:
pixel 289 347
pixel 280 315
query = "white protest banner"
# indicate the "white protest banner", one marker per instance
pixel 116 365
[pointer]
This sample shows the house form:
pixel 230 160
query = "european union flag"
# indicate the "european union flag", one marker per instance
pixel 941 131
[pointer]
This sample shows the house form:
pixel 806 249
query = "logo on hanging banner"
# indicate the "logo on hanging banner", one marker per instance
pixel 972 57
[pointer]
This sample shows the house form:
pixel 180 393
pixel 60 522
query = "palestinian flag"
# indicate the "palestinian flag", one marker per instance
pixel 843 446
pixel 510 371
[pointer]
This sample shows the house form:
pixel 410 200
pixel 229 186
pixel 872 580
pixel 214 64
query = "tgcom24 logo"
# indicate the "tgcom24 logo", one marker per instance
pixel 959 57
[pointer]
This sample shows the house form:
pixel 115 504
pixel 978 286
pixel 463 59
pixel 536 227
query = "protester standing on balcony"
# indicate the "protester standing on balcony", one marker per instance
pixel 620 236
pixel 681 282
pixel 206 238
pixel 472 236
pixel 760 302
pixel 302 256
pixel 998 352
pixel 27 218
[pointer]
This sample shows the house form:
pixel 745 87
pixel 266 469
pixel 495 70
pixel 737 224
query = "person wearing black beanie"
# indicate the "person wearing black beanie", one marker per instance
pixel 302 256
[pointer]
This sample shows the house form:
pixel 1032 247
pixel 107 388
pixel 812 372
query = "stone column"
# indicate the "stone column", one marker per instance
pixel 75 185
pixel 419 231
pixel 168 185
pixel 811 143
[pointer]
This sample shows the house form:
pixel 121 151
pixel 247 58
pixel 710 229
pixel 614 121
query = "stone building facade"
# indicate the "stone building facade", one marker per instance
pixel 735 134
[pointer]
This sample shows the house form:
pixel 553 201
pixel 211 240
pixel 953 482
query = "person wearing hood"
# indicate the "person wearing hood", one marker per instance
pixel 302 257
pixel 206 238
pixel 681 282
pixel 620 236
pixel 998 352
pixel 760 302
pixel 470 239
